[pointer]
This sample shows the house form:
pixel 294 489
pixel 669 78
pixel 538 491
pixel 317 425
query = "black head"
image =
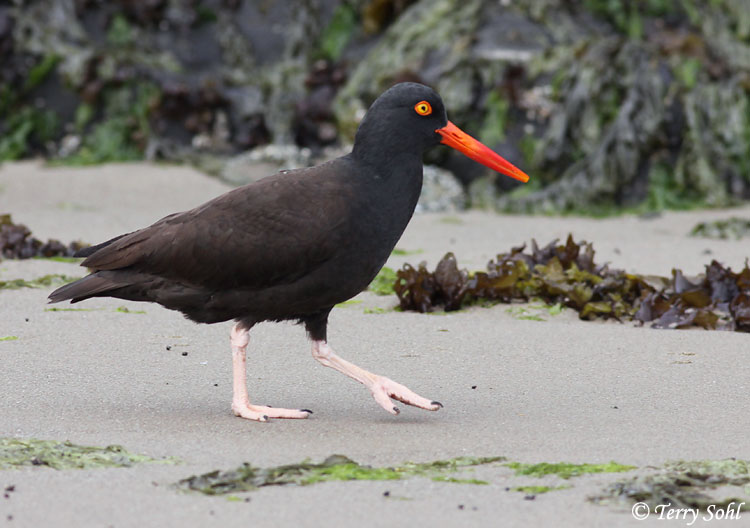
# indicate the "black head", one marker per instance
pixel 408 118
pixel 403 119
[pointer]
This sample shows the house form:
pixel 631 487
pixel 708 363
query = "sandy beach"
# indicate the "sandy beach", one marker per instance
pixel 532 391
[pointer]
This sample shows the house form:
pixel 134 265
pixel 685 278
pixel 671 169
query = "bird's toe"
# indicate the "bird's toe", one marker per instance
pixel 263 413
pixel 384 389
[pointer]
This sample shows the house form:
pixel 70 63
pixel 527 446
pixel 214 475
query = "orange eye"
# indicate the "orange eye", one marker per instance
pixel 423 108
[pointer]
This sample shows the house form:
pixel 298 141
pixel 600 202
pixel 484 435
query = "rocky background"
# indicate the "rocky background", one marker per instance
pixel 607 104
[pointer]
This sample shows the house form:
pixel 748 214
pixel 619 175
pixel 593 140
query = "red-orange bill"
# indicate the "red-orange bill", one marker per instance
pixel 464 143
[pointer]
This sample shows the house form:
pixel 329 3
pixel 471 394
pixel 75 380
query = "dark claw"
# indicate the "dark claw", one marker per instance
pixel 306 410
pixel 396 410
pixel 436 403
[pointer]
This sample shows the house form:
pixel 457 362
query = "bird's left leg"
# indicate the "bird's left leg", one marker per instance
pixel 382 388
pixel 240 337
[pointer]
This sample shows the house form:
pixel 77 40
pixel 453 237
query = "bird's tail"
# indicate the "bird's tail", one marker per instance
pixel 92 285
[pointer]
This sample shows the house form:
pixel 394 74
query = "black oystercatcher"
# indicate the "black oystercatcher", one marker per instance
pixel 290 246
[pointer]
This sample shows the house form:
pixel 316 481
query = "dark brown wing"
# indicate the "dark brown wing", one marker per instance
pixel 269 232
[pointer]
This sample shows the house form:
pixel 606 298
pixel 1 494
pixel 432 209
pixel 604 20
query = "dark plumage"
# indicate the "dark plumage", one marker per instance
pixel 290 246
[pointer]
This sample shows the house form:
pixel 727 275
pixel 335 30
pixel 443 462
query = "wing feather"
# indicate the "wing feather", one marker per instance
pixel 268 232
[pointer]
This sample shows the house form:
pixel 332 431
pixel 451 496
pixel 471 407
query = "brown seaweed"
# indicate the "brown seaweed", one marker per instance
pixel 567 274
pixel 17 242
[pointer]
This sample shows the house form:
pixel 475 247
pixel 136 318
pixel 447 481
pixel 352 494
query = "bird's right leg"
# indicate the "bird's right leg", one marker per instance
pixel 240 337
pixel 382 388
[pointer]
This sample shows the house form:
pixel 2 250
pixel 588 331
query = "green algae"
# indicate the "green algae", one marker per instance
pixel 55 309
pixel 383 282
pixel 532 312
pixel 522 313
pixel 566 470
pixel 391 496
pixel 350 302
pixel 23 127
pixel 333 468
pixel 83 116
pixel 460 480
pixel 25 124
pixel 493 128
pixel 538 490
pixel 9 338
pixel 627 17
pixel 120 32
pixel 21 452
pixel 338 32
pixel 123 309
pixel 403 252
pixel 69 260
pixel 682 484
pixel 40 71
pixel 122 135
pixel 349 470
pixel 53 279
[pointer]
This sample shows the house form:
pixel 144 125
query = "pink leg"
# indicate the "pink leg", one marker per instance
pixel 240 401
pixel 380 386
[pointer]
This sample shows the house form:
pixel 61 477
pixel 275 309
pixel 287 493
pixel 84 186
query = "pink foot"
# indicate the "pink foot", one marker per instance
pixel 262 413
pixel 384 388
pixel 241 405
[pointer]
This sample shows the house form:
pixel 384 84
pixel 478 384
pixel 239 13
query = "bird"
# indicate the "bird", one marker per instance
pixel 290 246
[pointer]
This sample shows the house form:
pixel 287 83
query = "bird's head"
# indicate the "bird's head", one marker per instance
pixel 411 116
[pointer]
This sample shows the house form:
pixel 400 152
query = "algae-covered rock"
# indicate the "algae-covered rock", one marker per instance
pixel 441 192
pixel 152 80
pixel 732 228
pixel 607 104
pixel 598 133
pixel 685 484
pixel 655 115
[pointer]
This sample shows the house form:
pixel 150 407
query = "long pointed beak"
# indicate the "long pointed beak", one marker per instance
pixel 464 143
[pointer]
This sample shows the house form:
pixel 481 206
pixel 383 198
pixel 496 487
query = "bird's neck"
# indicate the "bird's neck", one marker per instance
pixel 387 163
pixel 394 182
